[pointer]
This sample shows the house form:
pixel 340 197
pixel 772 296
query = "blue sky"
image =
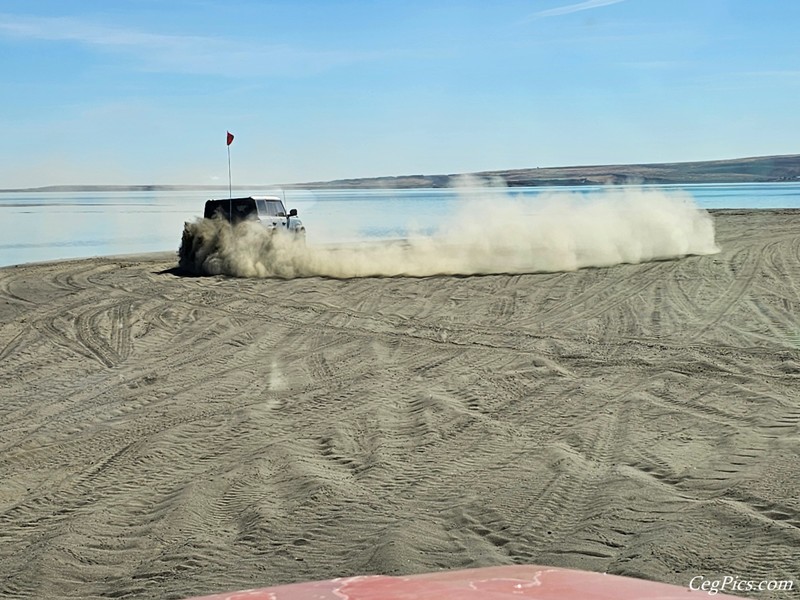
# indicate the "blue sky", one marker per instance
pixel 143 91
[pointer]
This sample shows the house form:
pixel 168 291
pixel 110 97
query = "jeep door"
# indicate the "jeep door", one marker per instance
pixel 271 212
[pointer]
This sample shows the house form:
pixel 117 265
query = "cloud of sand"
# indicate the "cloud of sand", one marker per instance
pixel 488 233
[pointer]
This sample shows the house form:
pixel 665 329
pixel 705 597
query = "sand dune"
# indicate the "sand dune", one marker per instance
pixel 164 435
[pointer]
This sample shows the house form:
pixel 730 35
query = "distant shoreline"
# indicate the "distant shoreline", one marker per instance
pixel 761 169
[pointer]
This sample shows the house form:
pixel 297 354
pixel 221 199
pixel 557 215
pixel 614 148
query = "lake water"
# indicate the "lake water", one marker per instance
pixel 42 226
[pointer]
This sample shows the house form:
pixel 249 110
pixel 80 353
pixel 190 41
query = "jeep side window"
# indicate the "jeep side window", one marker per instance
pixel 275 208
pixel 262 208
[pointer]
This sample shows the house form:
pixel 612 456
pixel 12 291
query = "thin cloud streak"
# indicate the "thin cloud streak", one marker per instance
pixel 573 8
pixel 656 65
pixel 73 30
pixel 183 53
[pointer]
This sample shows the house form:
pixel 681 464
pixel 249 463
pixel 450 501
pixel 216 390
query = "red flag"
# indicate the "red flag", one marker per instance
pixel 230 138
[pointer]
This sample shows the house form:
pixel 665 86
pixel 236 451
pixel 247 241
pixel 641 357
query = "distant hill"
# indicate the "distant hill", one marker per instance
pixel 739 170
pixel 127 188
pixel 784 167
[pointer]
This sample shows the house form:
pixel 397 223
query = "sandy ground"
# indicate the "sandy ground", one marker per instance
pixel 163 435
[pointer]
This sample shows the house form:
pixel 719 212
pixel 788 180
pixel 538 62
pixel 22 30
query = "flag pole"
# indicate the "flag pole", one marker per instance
pixel 228 140
pixel 230 187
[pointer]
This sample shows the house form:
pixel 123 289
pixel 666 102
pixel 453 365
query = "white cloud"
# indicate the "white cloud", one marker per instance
pixel 572 8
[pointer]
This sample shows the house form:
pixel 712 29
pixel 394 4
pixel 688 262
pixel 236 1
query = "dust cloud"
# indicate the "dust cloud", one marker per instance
pixel 488 233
